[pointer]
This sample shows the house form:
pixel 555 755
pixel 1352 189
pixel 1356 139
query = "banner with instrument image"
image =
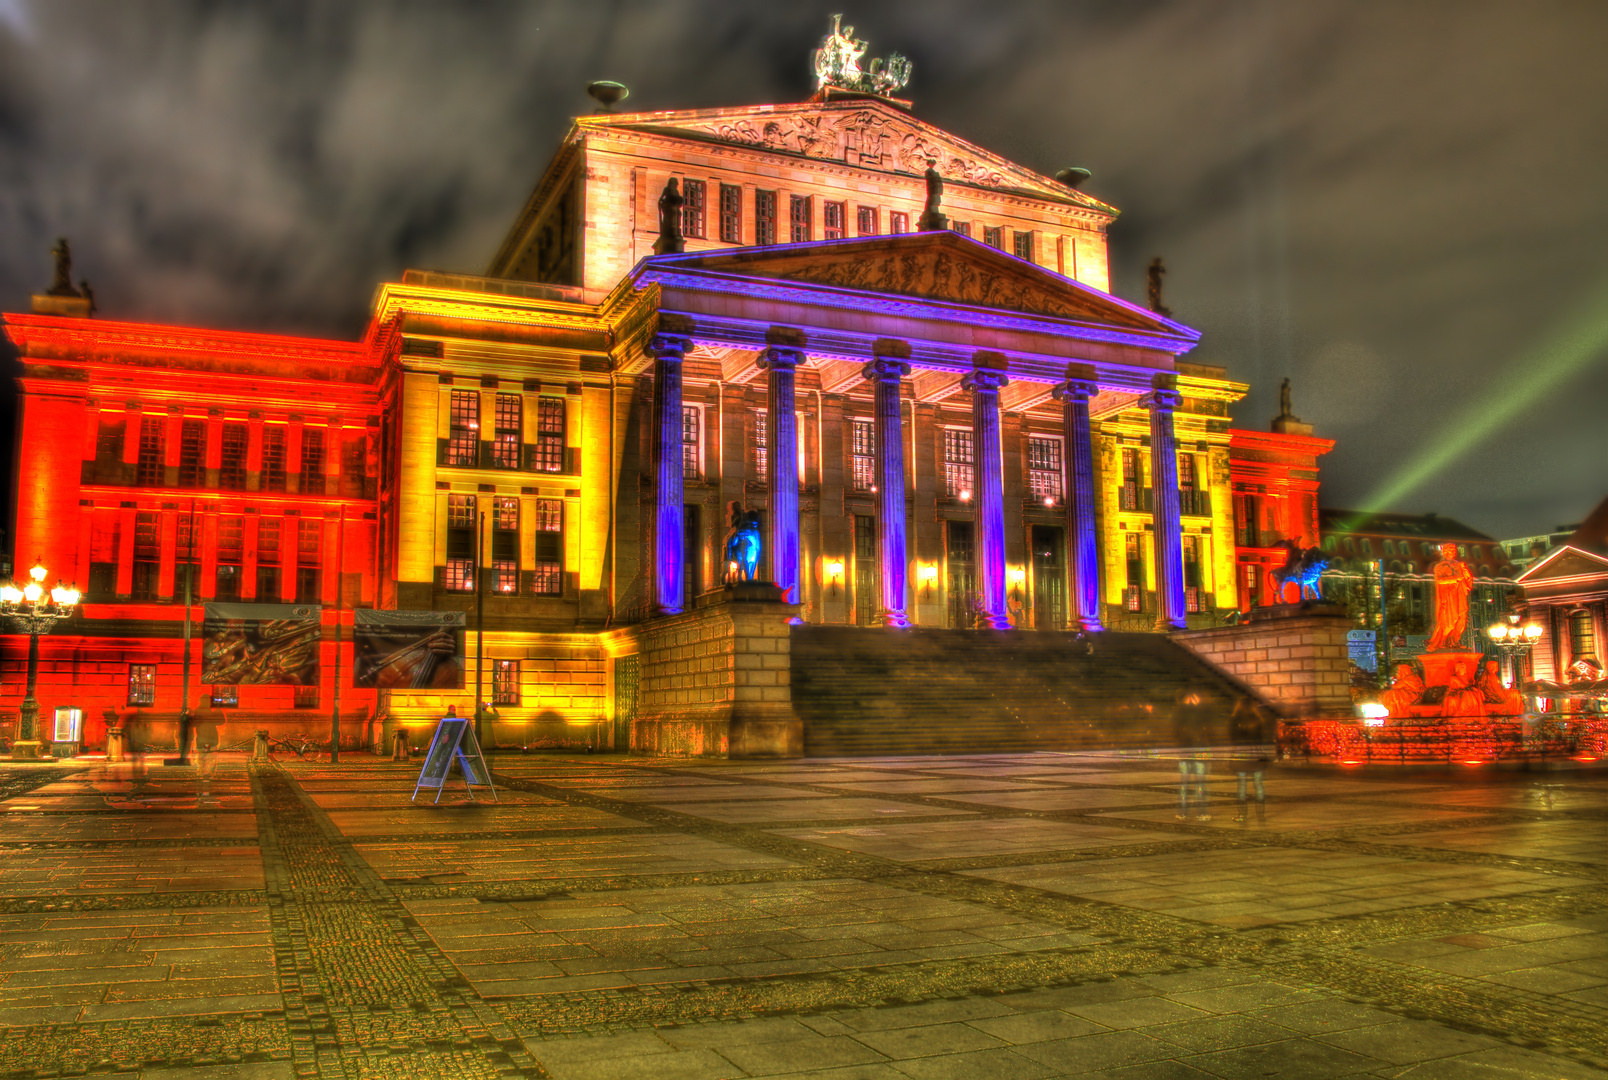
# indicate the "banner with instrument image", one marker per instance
pixel 260 645
pixel 408 650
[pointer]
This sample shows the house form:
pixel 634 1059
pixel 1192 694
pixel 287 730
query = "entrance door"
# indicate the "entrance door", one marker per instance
pixel 867 603
pixel 1049 578
pixel 962 557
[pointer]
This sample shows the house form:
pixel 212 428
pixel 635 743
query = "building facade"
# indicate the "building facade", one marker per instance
pixel 1566 593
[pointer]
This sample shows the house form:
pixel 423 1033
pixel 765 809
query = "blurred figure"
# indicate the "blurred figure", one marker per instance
pixel 1249 731
pixel 206 743
pixel 1189 718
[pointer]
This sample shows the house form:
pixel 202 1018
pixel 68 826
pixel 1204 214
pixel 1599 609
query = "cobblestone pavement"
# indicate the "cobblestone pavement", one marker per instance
pixel 989 916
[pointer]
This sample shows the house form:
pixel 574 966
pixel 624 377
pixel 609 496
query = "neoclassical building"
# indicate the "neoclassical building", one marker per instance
pixel 926 389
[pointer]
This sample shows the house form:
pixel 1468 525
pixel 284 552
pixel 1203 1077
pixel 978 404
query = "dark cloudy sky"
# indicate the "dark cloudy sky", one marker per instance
pixel 1401 205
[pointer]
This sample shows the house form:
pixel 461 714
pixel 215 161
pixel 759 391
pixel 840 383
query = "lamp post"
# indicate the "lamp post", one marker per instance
pixel 29 612
pixel 1513 642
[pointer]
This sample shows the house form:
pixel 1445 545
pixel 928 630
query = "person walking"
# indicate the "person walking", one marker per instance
pixel 1248 731
pixel 1190 729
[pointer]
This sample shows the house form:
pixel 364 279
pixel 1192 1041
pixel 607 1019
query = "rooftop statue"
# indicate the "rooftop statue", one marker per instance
pixel 1153 283
pixel 63 285
pixel 670 241
pixel 837 63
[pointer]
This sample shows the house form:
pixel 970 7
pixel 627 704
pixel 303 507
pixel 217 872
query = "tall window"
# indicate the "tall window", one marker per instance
pixel 268 554
pixel 898 223
pixel 695 196
pixel 959 464
pixel 548 577
pixel 463 441
pixel 505 544
pixel 232 475
pixel 273 457
pixel 832 221
pixel 147 553
pixel 1192 577
pixel 142 684
pixel 508 429
pixel 153 443
pixel 192 452
pixel 231 533
pixel 460 568
pixel 309 548
pixel 866 221
pixel 761 444
pixel 691 442
pixel 187 558
pixel 1192 498
pixel 863 454
pixel 312 461
pixel 1582 637
pixel 994 236
pixel 764 217
pixel 1131 477
pixel 798 218
pixel 961 227
pixel 1133 596
pixel 505 676
pixel 1024 246
pixel 731 214
pixel 550 435
pixel 1044 472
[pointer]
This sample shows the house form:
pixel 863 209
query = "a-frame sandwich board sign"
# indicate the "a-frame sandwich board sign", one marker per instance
pixel 454 742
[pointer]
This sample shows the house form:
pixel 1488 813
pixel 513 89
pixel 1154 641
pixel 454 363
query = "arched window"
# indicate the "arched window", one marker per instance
pixel 1485 571
pixel 1349 545
pixel 1476 552
pixel 1396 566
pixel 1367 546
pixel 1328 543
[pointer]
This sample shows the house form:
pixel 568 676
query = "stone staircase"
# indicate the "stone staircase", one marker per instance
pixel 869 690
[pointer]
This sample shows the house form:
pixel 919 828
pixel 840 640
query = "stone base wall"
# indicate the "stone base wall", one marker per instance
pixel 714 681
pixel 1295 657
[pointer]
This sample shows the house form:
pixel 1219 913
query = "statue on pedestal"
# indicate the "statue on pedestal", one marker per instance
pixel 671 200
pixel 1153 286
pixel 743 542
pixel 932 216
pixel 1453 580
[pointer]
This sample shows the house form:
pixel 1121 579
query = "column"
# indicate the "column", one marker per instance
pixel 214 452
pixel 174 441
pixel 254 451
pixel 985 386
pixel 1168 530
pixel 131 434
pixel 885 373
pixel 1082 546
pixel 668 539
pixel 293 454
pixel 781 362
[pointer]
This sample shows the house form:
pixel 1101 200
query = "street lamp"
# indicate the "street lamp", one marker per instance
pixel 29 612
pixel 1513 642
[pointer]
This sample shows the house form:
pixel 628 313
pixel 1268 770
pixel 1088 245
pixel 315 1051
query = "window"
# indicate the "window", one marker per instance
pixel 273 457
pixel 550 435
pixel 505 681
pixel 731 213
pixel 692 551
pixel 147 553
pixel 153 443
pixel 231 534
pixel 142 684
pixel 232 474
pixel 460 568
pixel 505 544
pixel 832 221
pixel 549 568
pixel 1192 579
pixel 1044 473
pixel 306 697
pixel 761 444
pixel 798 218
pixel 1024 246
pixel 309 540
pixel 898 223
pixel 463 442
pixel 1133 595
pixel 764 217
pixel 1192 498
pixel 507 430
pixel 186 557
pixel 691 440
pixel 694 194
pixel 312 462
pixel 994 236
pixel 961 227
pixel 863 455
pixel 866 221
pixel 226 697
pixel 1582 637
pixel 1132 475
pixel 192 452
pixel 959 474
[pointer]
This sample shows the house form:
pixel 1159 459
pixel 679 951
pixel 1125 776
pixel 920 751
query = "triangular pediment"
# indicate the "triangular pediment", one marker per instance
pixel 941 266
pixel 1565 562
pixel 864 132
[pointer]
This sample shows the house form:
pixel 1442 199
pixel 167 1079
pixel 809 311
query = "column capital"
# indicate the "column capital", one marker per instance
pixel 884 369
pixel 668 346
pixel 1159 400
pixel 1076 390
pixel 985 381
pixel 784 357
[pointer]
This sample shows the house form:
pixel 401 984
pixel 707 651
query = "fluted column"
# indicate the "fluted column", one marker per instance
pixel 668 535
pixel 1168 528
pixel 1082 544
pixel 885 373
pixel 985 387
pixel 781 362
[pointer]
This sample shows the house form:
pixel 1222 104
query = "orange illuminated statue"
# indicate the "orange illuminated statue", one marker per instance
pixel 1453 580
pixel 1404 692
pixel 1499 700
pixel 1463 697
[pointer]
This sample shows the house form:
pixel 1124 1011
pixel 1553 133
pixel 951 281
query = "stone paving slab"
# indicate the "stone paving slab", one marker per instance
pixel 916 841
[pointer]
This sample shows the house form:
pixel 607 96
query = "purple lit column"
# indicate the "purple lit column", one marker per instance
pixel 1164 509
pixel 984 387
pixel 1082 546
pixel 668 536
pixel 885 373
pixel 783 468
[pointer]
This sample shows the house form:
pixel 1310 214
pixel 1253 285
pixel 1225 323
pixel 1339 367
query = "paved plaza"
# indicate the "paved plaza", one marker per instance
pixel 983 916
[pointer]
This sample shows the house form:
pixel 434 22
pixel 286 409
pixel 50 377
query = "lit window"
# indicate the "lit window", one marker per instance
pixel 505 543
pixel 463 442
pixel 1132 474
pixel 764 217
pixel 798 218
pixel 832 221
pixel 153 442
pixel 548 573
pixel 731 213
pixel 550 435
pixel 863 454
pixel 1133 594
pixel 225 697
pixel 459 573
pixel 898 223
pixel 761 444
pixel 505 682
pixel 866 221
pixel 691 442
pixel 142 684
pixel 693 192
pixel 959 464
pixel 1044 473
pixel 1024 246
pixel 507 432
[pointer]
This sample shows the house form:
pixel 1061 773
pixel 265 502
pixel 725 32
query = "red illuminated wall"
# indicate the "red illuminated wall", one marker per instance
pixel 1275 481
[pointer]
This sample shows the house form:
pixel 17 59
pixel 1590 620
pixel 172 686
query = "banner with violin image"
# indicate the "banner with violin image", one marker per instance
pixel 260 644
pixel 408 650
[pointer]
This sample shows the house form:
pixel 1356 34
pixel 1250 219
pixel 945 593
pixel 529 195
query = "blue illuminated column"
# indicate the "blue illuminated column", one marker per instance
pixel 1164 504
pixel 783 467
pixel 668 538
pixel 884 373
pixel 1082 544
pixel 984 387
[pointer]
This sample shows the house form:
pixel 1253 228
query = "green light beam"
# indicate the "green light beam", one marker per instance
pixel 1537 372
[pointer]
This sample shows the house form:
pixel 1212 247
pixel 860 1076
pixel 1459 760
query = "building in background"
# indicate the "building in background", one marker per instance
pixel 1522 551
pixel 1566 592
